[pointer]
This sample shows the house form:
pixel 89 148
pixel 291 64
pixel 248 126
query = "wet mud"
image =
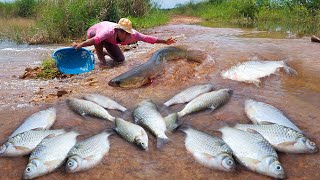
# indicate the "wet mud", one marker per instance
pixel 298 97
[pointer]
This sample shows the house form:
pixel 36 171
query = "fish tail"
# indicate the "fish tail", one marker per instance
pixel 184 127
pixel 196 55
pixel 168 103
pixel 161 141
pixel 123 109
pixel 111 119
pixel 173 121
pixel 290 71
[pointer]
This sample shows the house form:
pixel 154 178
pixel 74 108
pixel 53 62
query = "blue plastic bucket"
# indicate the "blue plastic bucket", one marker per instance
pixel 73 61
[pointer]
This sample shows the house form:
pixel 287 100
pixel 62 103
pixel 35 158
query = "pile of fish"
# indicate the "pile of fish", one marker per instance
pixel 254 145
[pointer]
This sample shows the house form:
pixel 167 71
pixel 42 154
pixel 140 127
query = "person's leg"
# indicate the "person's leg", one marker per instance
pixel 98 48
pixel 114 52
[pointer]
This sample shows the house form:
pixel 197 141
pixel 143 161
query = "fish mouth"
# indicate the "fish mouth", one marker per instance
pixel 134 82
pixel 114 83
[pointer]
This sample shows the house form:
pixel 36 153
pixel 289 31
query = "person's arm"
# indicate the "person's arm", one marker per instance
pixel 168 41
pixel 88 42
pixel 151 39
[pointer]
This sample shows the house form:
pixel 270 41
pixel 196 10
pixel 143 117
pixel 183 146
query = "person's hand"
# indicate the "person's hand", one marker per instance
pixel 76 45
pixel 170 40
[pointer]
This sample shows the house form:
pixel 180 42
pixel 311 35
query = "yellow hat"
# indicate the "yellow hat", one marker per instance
pixel 125 24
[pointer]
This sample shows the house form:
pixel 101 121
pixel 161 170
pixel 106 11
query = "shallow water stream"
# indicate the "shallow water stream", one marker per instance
pixel 298 97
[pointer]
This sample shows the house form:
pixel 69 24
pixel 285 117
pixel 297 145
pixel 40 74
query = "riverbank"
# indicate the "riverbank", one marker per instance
pixel 298 97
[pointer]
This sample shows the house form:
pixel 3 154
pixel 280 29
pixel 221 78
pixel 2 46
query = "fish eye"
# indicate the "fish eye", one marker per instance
pixel 303 140
pixel 230 162
pixel 70 164
pixel 3 148
pixel 278 167
pixel 28 169
pixel 312 143
pixel 117 82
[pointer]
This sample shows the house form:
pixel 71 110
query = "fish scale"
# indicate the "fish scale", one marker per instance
pixel 104 101
pixel 208 150
pixel 97 144
pixel 211 100
pixel 84 107
pixel 40 120
pixel 151 118
pixel 253 151
pixel 51 148
pixel 49 154
pixel 262 113
pixel 147 115
pixel 189 94
pixel 251 71
pixel 203 142
pixel 284 139
pixel 24 143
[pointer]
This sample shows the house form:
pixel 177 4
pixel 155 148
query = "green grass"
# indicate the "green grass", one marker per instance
pixel 48 70
pixel 152 19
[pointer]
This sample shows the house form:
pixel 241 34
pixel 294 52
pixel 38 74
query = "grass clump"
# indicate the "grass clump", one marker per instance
pixel 48 70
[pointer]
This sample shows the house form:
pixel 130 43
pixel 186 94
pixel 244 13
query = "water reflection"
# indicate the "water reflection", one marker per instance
pixel 274 29
pixel 298 97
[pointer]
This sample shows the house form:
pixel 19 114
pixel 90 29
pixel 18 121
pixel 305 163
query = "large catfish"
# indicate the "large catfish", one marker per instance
pixel 143 73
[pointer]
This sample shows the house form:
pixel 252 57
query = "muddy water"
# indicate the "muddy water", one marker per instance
pixel 298 97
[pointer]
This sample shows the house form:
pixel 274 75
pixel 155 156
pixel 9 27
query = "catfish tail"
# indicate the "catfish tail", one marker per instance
pixel 196 55
pixel 289 70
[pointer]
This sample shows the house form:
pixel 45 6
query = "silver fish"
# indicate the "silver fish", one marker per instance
pixel 262 113
pixel 252 71
pixel 39 120
pixel 210 100
pixel 88 153
pixel 23 143
pixel 208 150
pixel 104 102
pixel 189 94
pixel 253 151
pixel 49 154
pixel 282 138
pixel 132 133
pixel 84 107
pixel 147 115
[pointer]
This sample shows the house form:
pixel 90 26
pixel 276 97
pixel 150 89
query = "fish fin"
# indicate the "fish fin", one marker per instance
pixel 252 131
pixel 257 83
pixel 172 122
pixel 196 56
pixel 289 70
pixel 38 129
pixel 52 164
pixel 89 157
pixel 184 127
pixel 162 141
pixel 212 108
pixel 110 131
pixel 266 123
pixel 50 136
pixel 208 156
pixel 251 161
pixel 22 148
pixel 168 103
pixel 285 144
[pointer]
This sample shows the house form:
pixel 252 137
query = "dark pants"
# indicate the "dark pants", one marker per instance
pixel 112 50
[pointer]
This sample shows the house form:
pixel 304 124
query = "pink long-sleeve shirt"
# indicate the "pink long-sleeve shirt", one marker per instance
pixel 105 31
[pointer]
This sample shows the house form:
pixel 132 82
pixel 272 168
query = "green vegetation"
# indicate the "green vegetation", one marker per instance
pixel 298 16
pixel 57 21
pixel 48 70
